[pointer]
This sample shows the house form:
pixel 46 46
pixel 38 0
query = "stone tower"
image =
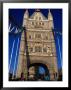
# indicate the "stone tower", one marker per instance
pixel 41 44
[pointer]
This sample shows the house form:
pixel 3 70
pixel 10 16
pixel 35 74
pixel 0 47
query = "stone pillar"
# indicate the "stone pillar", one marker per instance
pixel 52 75
pixel 25 69
pixel 20 58
pixel 19 66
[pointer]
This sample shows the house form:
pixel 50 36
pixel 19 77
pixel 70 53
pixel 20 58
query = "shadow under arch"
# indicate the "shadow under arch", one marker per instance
pixel 36 65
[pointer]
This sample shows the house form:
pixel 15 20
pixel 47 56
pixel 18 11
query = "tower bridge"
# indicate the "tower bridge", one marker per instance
pixel 37 45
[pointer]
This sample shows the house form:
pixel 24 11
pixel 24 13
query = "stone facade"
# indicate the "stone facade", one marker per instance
pixel 40 41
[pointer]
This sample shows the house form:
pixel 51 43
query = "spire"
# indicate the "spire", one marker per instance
pixel 25 18
pixel 49 11
pixel 26 11
pixel 26 14
pixel 50 17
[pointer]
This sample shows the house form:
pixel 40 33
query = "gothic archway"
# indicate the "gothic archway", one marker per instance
pixel 38 71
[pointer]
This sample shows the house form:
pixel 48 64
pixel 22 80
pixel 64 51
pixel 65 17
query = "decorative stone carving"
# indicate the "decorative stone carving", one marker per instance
pixel 39 27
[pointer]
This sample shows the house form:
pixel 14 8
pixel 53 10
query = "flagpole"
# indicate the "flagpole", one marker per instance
pixel 16 57
pixel 11 55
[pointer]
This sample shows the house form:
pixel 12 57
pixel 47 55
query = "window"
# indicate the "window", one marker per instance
pixel 38 36
pixel 30 36
pixel 39 18
pixel 38 49
pixel 44 49
pixel 32 23
pixel 46 37
pixel 30 49
pixel 39 23
pixel 36 23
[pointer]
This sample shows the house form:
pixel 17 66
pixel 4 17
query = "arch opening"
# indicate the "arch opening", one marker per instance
pixel 38 71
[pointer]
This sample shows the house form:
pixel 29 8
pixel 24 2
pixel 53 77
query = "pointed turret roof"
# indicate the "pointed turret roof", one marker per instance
pixel 26 14
pixel 50 17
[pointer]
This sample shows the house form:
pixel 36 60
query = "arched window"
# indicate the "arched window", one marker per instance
pixel 39 23
pixel 30 37
pixel 32 23
pixel 38 49
pixel 42 23
pixel 45 49
pixel 46 37
pixel 39 18
pixel 30 49
pixel 38 36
